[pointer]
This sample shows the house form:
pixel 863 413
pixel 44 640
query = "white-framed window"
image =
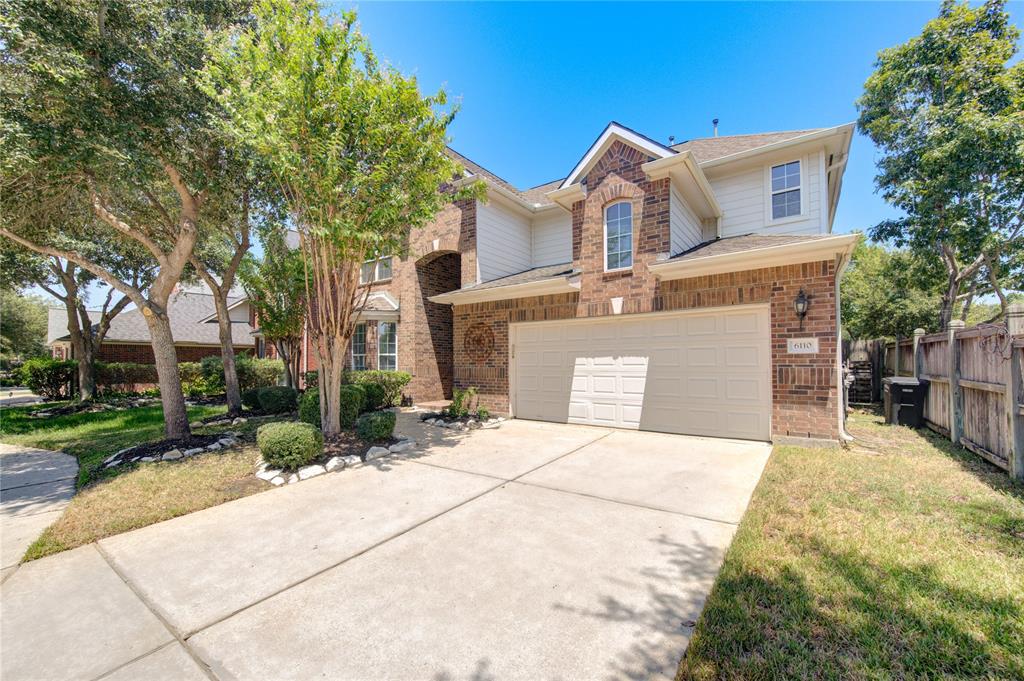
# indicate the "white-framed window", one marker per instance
pixel 378 269
pixel 618 236
pixel 387 345
pixel 359 347
pixel 785 190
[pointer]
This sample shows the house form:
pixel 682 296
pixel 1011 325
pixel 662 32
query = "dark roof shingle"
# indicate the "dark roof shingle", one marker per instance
pixel 525 277
pixel 745 242
pixel 706 149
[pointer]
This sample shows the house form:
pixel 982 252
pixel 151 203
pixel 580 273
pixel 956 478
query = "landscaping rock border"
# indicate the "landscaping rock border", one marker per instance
pixel 467 423
pixel 171 451
pixel 279 476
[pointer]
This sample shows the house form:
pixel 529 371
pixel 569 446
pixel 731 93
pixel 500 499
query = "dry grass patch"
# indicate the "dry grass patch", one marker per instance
pixel 900 558
pixel 150 493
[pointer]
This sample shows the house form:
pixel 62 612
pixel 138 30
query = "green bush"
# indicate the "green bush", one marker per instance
pixel 312 379
pixel 462 402
pixel 375 396
pixel 289 444
pixel 276 399
pixel 376 425
pixel 258 373
pixel 483 414
pixel 309 407
pixel 212 367
pixel 50 378
pixel 391 382
pixel 353 398
pixel 251 398
pixel 124 376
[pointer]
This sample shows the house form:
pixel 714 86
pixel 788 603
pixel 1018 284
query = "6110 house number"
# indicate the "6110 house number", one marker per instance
pixel 802 346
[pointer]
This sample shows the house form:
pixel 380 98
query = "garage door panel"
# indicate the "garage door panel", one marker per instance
pixel 705 373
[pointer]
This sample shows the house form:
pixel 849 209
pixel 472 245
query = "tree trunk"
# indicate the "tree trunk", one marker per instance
pixel 227 353
pixel 285 355
pixel 82 351
pixel 175 416
pixel 330 372
pixel 87 371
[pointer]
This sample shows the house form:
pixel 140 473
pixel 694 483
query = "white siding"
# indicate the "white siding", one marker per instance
pixel 744 201
pixel 240 313
pixel 552 239
pixel 684 225
pixel 502 241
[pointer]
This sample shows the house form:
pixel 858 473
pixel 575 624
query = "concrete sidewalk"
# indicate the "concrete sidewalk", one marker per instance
pixel 511 553
pixel 35 486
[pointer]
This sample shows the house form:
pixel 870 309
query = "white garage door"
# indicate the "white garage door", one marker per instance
pixel 699 373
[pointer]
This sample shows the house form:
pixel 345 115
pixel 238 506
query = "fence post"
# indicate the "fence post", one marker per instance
pixel 1015 392
pixel 956 398
pixel 918 356
pixel 896 357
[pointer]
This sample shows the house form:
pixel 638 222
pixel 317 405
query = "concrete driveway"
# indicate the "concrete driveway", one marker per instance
pixel 536 551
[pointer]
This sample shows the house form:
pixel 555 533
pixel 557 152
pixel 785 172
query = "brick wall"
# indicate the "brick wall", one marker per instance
pixel 143 353
pixel 803 386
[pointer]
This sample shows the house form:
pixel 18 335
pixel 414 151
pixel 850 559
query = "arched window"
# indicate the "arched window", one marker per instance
pixel 618 236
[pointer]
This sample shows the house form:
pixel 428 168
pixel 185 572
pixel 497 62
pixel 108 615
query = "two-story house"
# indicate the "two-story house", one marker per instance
pixel 690 288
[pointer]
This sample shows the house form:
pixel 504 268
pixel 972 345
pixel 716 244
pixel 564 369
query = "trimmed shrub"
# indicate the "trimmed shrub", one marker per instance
pixel 309 407
pixel 258 373
pixel 391 382
pixel 212 367
pixel 50 378
pixel 352 399
pixel 375 396
pixel 277 399
pixel 312 379
pixel 376 425
pixel 189 371
pixel 251 398
pixel 125 376
pixel 289 444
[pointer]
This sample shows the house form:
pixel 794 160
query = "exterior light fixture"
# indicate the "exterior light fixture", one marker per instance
pixel 800 305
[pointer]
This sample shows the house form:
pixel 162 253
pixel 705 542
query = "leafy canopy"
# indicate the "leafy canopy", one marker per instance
pixel 946 110
pixel 881 297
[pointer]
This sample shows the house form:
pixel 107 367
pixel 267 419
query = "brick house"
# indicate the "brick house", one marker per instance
pixel 654 287
pixel 193 324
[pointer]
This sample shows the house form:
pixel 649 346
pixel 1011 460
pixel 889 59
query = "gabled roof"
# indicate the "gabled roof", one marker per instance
pixel 186 308
pixel 612 132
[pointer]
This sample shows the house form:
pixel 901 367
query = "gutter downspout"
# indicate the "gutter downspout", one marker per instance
pixel 844 262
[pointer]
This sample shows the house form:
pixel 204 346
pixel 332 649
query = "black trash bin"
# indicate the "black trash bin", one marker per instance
pixel 904 400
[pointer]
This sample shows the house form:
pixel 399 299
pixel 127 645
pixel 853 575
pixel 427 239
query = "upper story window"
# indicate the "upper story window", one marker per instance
pixel 785 180
pixel 378 269
pixel 359 347
pixel 618 236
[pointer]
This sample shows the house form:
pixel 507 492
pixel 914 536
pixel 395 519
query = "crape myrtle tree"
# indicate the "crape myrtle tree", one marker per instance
pixel 946 110
pixel 102 96
pixel 358 153
pixel 276 287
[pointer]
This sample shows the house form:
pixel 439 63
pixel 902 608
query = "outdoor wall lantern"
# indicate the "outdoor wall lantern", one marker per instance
pixel 800 305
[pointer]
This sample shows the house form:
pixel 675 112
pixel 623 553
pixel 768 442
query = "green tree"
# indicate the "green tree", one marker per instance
pixel 880 295
pixel 946 108
pixel 359 155
pixel 276 287
pixel 22 325
pixel 101 97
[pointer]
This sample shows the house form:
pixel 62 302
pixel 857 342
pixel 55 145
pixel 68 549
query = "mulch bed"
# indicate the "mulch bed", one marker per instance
pixel 158 448
pixel 348 443
pixel 92 407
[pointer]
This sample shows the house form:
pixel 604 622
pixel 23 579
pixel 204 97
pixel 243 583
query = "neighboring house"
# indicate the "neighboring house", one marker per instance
pixel 193 324
pixel 654 287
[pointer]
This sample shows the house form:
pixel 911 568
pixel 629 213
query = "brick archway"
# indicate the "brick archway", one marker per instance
pixel 436 272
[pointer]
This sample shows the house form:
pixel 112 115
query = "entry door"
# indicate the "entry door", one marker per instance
pixel 699 373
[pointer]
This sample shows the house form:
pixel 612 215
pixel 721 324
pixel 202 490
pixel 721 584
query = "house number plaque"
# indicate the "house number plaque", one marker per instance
pixel 802 346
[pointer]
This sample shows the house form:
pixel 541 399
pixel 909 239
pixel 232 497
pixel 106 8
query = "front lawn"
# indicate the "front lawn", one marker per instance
pixel 149 493
pixel 901 558
pixel 91 437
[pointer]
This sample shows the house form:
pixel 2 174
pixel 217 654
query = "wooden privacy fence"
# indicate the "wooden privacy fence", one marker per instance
pixel 976 391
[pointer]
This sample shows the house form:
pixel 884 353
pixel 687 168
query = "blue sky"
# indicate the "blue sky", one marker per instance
pixel 538 82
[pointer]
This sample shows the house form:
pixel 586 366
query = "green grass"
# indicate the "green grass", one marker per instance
pixel 91 437
pixel 900 558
